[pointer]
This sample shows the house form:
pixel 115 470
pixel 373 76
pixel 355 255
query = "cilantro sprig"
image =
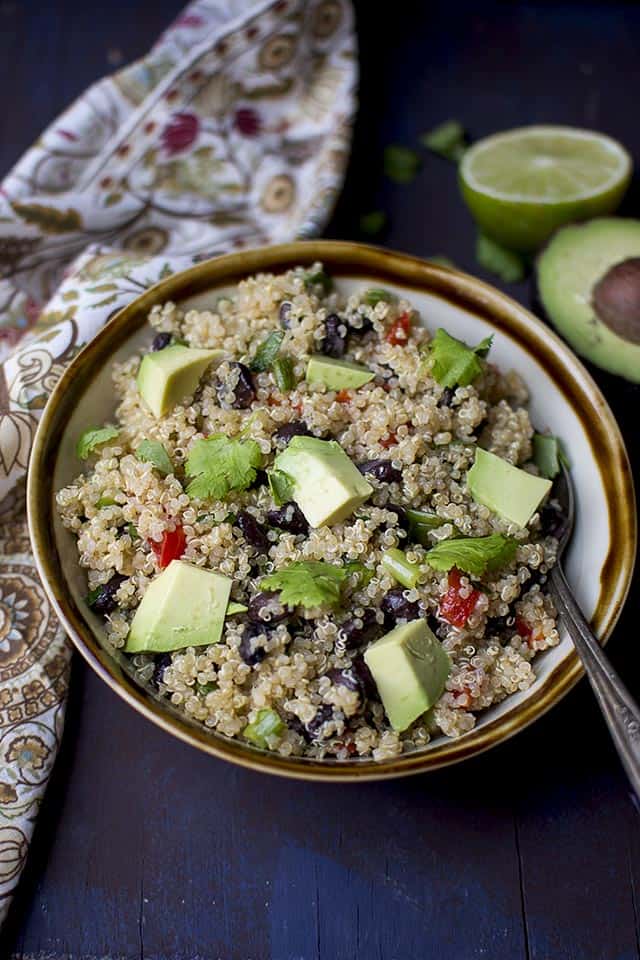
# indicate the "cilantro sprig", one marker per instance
pixel 267 352
pixel 308 583
pixel 452 362
pixel 473 555
pixel 93 438
pixel 219 464
pixel 152 451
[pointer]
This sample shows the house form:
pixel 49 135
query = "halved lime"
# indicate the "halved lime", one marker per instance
pixel 522 185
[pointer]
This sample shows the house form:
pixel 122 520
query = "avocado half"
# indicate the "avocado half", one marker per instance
pixel 588 279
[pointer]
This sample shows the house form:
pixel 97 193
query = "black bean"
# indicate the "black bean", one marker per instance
pixel 289 517
pixel 105 602
pixel 446 397
pixel 261 479
pixel 295 723
pixel 335 337
pixel 552 520
pixel 395 606
pixel 265 608
pixel 366 325
pixel 345 678
pixel 250 649
pixel 362 672
pixel 284 313
pixel 499 626
pixel 314 727
pixel 160 664
pixel 240 392
pixel 296 428
pixel 382 470
pixel 359 630
pixel 253 531
pixel 160 341
pixel 434 624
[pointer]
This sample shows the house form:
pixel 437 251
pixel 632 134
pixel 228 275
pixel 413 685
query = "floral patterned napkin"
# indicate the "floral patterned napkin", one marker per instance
pixel 234 131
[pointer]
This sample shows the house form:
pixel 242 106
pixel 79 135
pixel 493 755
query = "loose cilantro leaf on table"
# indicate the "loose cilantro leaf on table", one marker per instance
pixel 93 438
pixel 548 455
pixel 452 362
pixel 401 164
pixel 267 352
pixel 447 140
pixel 473 555
pixel 308 583
pixel 506 264
pixel 152 451
pixel 219 465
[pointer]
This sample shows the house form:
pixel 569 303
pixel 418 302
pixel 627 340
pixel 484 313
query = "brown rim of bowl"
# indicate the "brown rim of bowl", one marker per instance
pixel 353 260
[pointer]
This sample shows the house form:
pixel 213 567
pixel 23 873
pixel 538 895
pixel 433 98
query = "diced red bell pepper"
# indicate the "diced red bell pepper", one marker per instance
pixel 343 396
pixel 455 609
pixel 389 441
pixel 523 629
pixel 171 547
pixel 398 332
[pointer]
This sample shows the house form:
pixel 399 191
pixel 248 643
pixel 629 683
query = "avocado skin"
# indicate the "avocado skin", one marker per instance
pixel 568 269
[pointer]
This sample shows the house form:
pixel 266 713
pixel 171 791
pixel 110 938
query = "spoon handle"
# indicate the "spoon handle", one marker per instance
pixel 619 709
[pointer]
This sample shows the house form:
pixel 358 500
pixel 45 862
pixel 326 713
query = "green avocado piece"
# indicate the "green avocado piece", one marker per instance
pixel 510 492
pixel 337 374
pixel 410 668
pixel 184 606
pixel 570 274
pixel 168 376
pixel 323 481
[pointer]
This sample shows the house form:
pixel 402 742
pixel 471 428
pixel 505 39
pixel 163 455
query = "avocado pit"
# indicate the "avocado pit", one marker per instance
pixel 616 299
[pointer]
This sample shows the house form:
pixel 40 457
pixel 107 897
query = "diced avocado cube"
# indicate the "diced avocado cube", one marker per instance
pixel 168 376
pixel 324 482
pixel 184 606
pixel 510 492
pixel 410 668
pixel 337 374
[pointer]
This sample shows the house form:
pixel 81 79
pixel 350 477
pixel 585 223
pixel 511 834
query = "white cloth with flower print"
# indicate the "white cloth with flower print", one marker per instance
pixel 234 131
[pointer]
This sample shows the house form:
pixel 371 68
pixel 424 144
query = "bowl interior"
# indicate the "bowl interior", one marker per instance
pixel 588 563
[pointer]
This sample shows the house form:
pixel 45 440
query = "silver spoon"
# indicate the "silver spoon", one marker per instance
pixel 619 709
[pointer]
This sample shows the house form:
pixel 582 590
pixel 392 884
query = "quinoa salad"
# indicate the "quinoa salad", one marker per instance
pixel 317 525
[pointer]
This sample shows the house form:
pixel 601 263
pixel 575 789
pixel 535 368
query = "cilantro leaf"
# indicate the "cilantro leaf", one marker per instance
pixel 506 264
pixel 318 279
pixel 281 486
pixel 308 583
pixel 267 352
pixel 473 555
pixel 219 465
pixel 452 362
pixel 92 438
pixel 548 455
pixel 364 573
pixel 401 164
pixel 377 294
pixel 152 451
pixel 447 140
pixel 371 224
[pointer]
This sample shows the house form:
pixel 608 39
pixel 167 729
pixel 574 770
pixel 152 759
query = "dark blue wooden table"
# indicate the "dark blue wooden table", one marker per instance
pixel 145 849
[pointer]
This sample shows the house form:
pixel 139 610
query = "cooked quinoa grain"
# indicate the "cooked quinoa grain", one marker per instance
pixel 414 440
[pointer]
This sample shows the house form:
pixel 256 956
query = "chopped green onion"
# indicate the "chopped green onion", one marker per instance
pixel 421 524
pixel 401 164
pixel 319 279
pixel 283 374
pixel 267 724
pixel 395 562
pixel 378 294
pixel 373 223
pixel 105 502
pixel 447 140
pixel 132 531
pixel 93 595
pixel 205 688
pixel 506 264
